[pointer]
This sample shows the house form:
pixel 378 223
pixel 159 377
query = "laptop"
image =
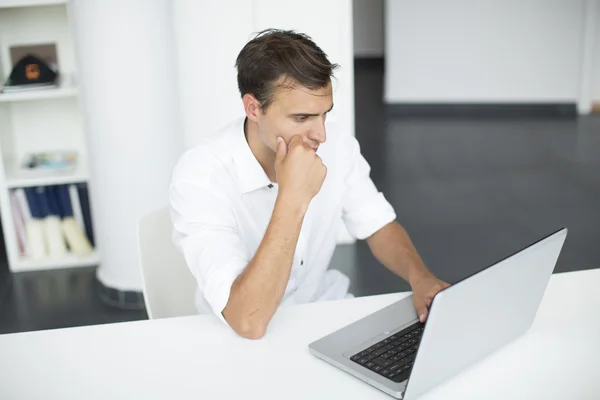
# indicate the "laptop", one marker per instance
pixel 392 351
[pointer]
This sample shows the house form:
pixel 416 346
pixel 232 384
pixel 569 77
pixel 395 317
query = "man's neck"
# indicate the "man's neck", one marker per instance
pixel 263 154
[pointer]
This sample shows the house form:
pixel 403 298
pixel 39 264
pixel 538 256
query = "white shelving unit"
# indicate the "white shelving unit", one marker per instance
pixel 29 3
pixel 25 264
pixel 63 91
pixel 16 179
pixel 46 119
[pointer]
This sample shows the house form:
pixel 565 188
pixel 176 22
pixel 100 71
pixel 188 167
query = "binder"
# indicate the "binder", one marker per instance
pixel 82 191
pixel 72 231
pixel 56 245
pixel 19 222
pixel 34 226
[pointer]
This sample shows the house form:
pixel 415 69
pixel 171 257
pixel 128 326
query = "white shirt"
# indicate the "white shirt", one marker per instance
pixel 221 204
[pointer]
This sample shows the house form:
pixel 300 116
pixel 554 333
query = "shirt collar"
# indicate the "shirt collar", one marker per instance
pixel 251 175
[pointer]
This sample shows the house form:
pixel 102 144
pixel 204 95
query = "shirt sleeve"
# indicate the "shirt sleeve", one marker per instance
pixel 365 210
pixel 205 230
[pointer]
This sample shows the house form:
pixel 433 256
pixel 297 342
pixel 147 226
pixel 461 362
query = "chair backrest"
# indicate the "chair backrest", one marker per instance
pixel 169 286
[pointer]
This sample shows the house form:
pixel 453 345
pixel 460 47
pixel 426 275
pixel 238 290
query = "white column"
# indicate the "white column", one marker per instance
pixel 128 84
pixel 208 37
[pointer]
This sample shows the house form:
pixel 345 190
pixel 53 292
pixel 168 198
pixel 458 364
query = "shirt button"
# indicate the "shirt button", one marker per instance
pixel 270 186
pixel 301 262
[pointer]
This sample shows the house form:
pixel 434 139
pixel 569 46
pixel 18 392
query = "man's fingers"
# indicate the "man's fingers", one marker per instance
pixel 421 311
pixel 296 140
pixel 281 150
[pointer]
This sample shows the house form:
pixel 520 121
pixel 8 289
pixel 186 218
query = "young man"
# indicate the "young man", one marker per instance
pixel 256 211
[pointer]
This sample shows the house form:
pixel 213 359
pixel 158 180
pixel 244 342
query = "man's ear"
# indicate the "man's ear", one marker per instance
pixel 251 107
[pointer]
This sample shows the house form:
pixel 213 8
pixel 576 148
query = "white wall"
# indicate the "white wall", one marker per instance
pixel 368 28
pixel 596 59
pixel 209 36
pixel 483 51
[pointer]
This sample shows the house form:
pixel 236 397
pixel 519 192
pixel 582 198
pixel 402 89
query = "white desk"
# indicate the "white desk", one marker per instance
pixel 198 358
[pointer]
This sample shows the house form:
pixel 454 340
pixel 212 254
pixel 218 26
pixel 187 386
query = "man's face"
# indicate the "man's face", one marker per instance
pixel 296 111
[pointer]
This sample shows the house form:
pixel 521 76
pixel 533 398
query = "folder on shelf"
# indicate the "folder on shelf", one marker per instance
pixel 72 231
pixel 34 227
pixel 57 248
pixel 19 221
pixel 82 192
pixel 19 195
pixel 76 206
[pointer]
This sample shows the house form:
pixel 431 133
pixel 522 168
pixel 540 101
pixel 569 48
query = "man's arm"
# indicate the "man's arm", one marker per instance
pixel 257 292
pixel 392 246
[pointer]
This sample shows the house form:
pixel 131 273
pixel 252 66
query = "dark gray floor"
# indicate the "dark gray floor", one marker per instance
pixel 473 190
pixel 56 299
pixel 469 190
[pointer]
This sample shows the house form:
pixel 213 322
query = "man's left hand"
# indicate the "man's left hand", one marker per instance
pixel 424 290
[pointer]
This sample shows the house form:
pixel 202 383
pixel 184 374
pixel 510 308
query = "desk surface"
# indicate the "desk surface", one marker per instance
pixel 199 358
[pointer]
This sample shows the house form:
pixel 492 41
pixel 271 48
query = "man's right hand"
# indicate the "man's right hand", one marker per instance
pixel 300 171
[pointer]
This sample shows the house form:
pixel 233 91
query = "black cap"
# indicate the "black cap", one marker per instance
pixel 31 69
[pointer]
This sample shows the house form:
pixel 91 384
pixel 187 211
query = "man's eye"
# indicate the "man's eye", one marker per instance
pixel 301 119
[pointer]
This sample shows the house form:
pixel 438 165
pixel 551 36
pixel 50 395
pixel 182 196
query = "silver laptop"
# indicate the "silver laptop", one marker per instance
pixel 391 350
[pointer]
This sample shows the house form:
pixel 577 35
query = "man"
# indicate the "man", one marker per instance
pixel 256 210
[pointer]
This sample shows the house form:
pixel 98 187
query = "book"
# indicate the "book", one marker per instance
pixel 74 234
pixel 24 207
pixel 55 241
pixel 19 222
pixel 82 191
pixel 53 201
pixel 34 225
pixel 64 200
pixel 76 206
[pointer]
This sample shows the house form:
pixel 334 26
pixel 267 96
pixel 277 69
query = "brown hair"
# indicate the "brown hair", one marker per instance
pixel 274 53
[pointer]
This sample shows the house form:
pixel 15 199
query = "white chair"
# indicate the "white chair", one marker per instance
pixel 169 286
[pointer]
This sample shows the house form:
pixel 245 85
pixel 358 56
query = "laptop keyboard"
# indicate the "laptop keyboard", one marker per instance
pixel 393 357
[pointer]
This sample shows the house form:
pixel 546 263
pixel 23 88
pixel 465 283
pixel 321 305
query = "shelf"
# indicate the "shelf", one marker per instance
pixel 29 3
pixel 70 261
pixel 16 179
pixel 60 92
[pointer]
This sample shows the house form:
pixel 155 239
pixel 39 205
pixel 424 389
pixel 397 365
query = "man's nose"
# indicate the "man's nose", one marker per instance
pixel 318 133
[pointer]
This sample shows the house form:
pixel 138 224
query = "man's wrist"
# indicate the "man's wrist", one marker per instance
pixel 417 273
pixel 291 205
